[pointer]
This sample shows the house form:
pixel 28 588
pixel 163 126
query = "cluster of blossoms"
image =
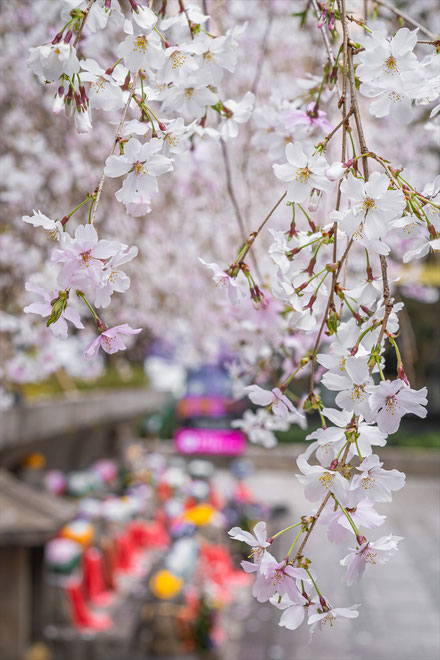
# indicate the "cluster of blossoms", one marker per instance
pixel 318 305
pixel 349 311
pixel 174 87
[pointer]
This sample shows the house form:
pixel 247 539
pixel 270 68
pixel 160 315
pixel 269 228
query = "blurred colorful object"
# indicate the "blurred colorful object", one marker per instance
pixel 199 515
pixel 209 441
pixel 165 585
pixel 80 531
pixel 63 554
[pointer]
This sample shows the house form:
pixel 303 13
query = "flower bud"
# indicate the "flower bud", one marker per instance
pixel 335 171
pixel 58 306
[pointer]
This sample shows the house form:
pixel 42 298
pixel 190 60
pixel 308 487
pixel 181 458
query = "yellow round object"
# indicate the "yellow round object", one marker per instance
pixel 165 584
pixel 199 515
pixel 80 531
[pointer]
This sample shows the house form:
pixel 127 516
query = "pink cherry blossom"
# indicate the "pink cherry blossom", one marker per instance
pixel 377 552
pixel 110 340
pixel 390 400
pixel 257 540
pixel 375 483
pixel 329 615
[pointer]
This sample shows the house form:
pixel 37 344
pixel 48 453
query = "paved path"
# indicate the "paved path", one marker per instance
pixel 399 618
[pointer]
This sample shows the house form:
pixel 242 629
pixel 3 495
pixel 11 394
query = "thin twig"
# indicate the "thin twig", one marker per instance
pixel 115 142
pixel 407 18
pixel 183 9
pixel 320 510
pixel 255 234
pixel 325 36
pixel 231 192
pixel 84 18
pixel 263 53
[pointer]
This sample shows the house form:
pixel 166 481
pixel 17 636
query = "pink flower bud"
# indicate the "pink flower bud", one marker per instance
pixel 336 171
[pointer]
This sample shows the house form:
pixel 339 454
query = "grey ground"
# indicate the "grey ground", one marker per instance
pixel 399 617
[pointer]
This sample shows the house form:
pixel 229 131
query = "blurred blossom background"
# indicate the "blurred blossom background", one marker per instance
pixel 91 474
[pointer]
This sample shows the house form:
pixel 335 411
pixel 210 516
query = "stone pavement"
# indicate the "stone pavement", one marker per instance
pixel 399 617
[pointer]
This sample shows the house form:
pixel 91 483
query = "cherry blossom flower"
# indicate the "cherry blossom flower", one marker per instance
pixel 353 394
pixel 329 615
pixel 377 552
pixel 190 99
pixel 52 60
pixel 363 515
pixel 309 119
pixel 114 279
pixel 294 613
pixel 110 340
pixel 53 304
pixel 38 219
pixel 393 102
pixel 390 400
pixel 225 281
pixel 144 17
pixel 375 483
pixel 257 540
pixel 384 60
pixel 373 208
pixel 143 164
pixel 254 425
pixel 319 481
pixel 303 171
pixel 215 55
pixel 105 92
pixel 83 257
pixel 279 402
pixel 141 51
pixel 278 577
pixel 178 66
pixel 241 113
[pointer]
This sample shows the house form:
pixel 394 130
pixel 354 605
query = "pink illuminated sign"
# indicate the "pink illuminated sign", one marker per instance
pixel 209 441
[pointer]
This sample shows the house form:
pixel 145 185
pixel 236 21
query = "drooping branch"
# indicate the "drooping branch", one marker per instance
pixel 407 18
pixel 115 142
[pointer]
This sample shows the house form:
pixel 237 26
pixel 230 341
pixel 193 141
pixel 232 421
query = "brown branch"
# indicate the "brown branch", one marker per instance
pixel 115 142
pixel 255 234
pixel 84 18
pixel 325 36
pixel 406 18
pixel 183 9
pixel 320 510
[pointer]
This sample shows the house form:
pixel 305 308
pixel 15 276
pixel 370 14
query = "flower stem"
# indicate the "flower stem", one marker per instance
pixel 285 530
pixel 347 515
pixel 314 583
pixel 294 542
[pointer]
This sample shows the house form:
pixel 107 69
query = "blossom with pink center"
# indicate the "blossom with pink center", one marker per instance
pixel 374 553
pixel 311 118
pixel 278 401
pixel 329 615
pixel 319 481
pixel 363 515
pixel 294 613
pixel 143 164
pixel 373 206
pixel 110 340
pixel 45 308
pixel 83 258
pixel 390 400
pixel 276 577
pixel 304 171
pixel 353 392
pixel 375 483
pixel 257 540
pixel 225 281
